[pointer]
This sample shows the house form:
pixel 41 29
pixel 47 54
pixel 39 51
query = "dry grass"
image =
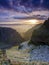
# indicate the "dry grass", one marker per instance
pixel 30 63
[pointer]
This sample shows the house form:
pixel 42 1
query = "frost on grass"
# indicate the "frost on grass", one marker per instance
pixel 29 53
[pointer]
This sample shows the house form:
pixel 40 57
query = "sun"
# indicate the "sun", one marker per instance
pixel 33 21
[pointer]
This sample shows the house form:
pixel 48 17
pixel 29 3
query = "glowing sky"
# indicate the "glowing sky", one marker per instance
pixel 16 10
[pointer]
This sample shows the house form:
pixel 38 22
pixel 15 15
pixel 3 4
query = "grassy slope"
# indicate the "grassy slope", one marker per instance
pixel 28 34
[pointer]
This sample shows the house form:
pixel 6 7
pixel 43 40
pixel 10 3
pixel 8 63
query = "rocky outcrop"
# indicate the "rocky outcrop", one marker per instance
pixel 40 36
pixel 10 36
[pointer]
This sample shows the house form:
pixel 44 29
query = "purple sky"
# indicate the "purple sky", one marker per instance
pixel 12 10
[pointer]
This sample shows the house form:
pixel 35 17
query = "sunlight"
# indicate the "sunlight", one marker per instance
pixel 33 21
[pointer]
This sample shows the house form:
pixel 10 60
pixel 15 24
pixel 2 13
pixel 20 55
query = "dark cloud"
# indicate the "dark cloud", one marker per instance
pixel 39 17
pixel 28 4
pixel 5 3
pixel 26 7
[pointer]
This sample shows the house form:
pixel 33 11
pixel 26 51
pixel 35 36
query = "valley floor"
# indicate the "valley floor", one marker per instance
pixel 24 55
pixel 29 53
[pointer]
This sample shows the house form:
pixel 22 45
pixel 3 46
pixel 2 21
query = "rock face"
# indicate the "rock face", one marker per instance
pixel 9 36
pixel 40 36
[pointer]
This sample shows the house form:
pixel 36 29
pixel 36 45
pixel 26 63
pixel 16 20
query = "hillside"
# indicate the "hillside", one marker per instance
pixel 9 36
pixel 40 36
pixel 28 33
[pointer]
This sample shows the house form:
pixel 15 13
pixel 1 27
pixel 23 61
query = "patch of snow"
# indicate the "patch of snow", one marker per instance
pixel 29 53
pixel 25 47
pixel 39 53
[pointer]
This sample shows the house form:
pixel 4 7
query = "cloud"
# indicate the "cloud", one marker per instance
pixel 13 10
pixel 14 16
pixel 42 15
pixel 25 5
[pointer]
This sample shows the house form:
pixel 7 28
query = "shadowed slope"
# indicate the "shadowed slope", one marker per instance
pixel 40 36
pixel 28 34
pixel 9 36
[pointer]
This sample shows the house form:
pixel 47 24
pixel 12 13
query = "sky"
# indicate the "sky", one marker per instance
pixel 14 10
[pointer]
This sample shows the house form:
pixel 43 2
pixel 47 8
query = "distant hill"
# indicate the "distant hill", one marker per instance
pixel 10 36
pixel 28 34
pixel 40 36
